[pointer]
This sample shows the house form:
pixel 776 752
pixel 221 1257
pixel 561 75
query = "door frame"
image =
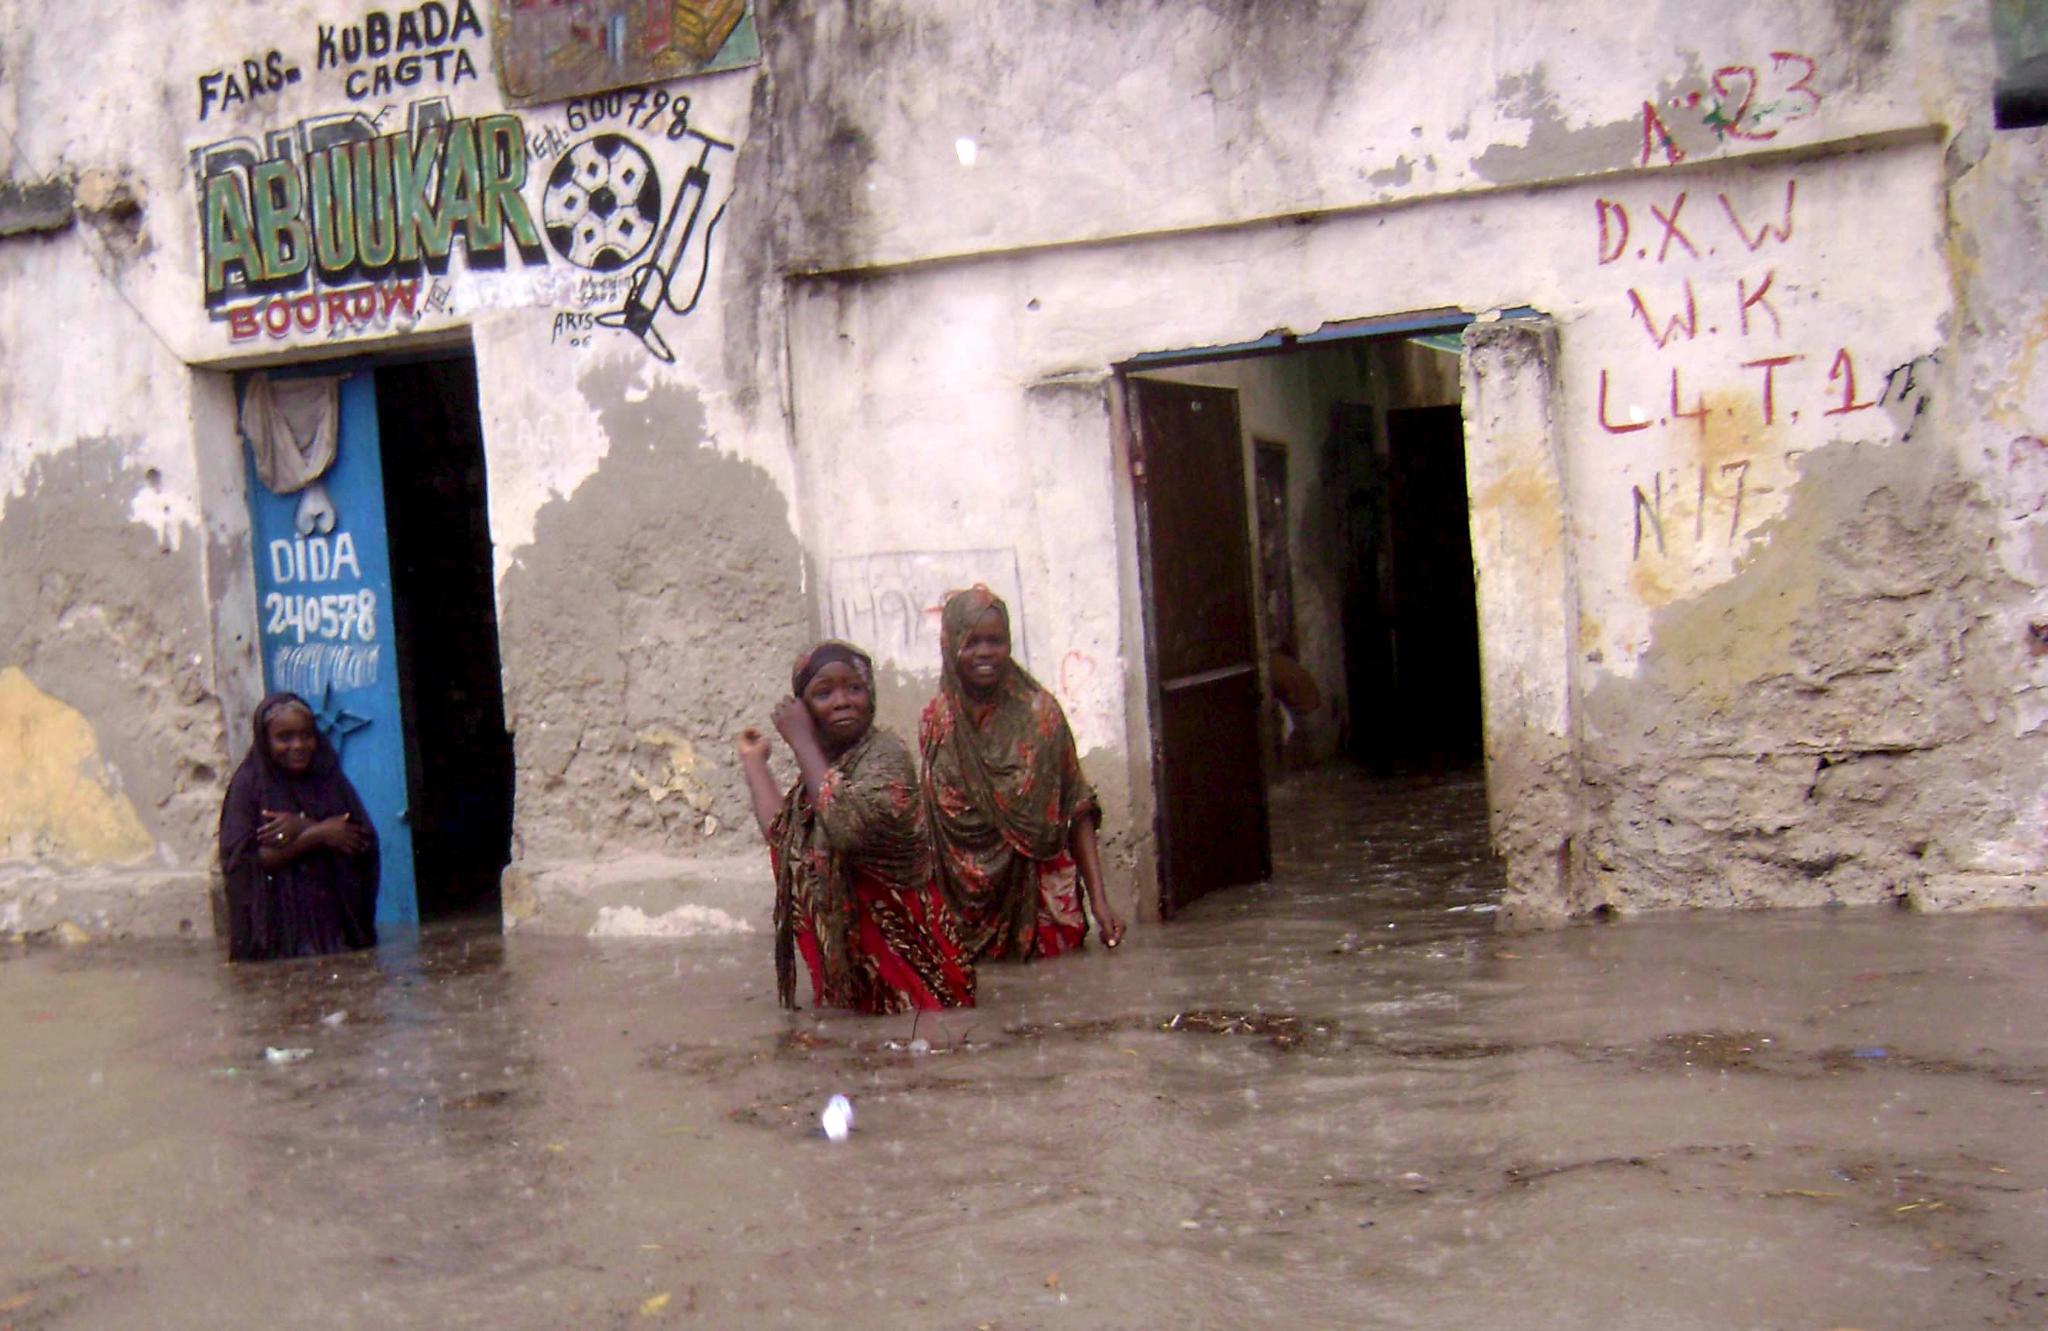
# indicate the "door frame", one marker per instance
pixel 398 897
pixel 1531 717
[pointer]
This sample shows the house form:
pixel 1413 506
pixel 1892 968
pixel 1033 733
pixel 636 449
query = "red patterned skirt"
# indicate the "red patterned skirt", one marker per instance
pixel 1060 926
pixel 904 953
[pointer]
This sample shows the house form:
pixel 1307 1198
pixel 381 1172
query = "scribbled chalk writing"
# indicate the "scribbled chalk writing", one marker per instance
pixel 1687 322
pixel 1710 304
pixel 1770 365
pixel 1652 508
pixel 1613 228
pixel 1783 233
pixel 1843 371
pixel 1738 102
pixel 1723 485
pixel 1740 468
pixel 890 603
pixel 1747 300
pixel 311 669
pixel 1697 413
pixel 1613 427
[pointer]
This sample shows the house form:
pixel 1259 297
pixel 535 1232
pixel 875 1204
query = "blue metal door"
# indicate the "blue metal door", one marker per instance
pixel 323 595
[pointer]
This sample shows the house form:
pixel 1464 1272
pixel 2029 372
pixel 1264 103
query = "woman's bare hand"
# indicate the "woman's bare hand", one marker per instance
pixel 344 834
pixel 753 745
pixel 281 829
pixel 793 720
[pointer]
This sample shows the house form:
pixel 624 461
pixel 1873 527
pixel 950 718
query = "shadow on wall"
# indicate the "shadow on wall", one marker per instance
pixel 654 614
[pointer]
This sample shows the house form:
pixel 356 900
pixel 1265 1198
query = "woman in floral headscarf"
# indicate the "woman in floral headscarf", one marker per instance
pixel 853 868
pixel 1013 820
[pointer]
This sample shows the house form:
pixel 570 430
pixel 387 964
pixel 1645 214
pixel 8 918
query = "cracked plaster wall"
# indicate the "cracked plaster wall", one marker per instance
pixel 1013 201
pixel 122 514
pixel 1790 274
pixel 117 556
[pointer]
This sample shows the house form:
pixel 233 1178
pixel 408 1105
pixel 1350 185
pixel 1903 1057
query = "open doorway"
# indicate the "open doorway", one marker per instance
pixel 458 754
pixel 1347 459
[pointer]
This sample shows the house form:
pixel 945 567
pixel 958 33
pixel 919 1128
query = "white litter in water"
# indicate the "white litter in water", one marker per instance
pixel 920 1045
pixel 272 1054
pixel 837 1120
pixel 335 1018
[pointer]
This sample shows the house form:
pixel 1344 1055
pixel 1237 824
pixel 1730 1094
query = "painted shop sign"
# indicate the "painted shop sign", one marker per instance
pixel 363 208
pixel 377 56
pixel 375 216
pixel 334 227
pixel 384 52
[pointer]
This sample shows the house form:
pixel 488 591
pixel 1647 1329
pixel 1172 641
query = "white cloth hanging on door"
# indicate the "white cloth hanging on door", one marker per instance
pixel 293 427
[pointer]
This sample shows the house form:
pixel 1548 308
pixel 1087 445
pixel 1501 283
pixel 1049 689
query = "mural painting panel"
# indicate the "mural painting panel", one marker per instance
pixel 551 49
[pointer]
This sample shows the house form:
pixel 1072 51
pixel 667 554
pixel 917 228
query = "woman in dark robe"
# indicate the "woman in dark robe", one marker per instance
pixel 296 845
pixel 1013 820
pixel 853 870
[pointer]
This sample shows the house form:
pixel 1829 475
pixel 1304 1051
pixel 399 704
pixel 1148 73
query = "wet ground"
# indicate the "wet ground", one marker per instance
pixel 1337 1100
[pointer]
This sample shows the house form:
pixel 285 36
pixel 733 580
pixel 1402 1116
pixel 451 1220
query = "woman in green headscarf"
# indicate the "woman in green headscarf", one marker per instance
pixel 853 867
pixel 1013 820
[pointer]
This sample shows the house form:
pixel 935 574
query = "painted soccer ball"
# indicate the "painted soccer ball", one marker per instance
pixel 602 204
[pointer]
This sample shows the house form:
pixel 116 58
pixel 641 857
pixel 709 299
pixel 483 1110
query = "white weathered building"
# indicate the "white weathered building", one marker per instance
pixel 1741 307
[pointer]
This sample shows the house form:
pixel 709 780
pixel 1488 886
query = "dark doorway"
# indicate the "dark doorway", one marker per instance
pixel 459 756
pixel 1428 648
pixel 1202 612
pixel 1356 642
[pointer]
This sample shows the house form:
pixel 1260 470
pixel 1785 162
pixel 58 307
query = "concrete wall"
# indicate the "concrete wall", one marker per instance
pixel 1788 401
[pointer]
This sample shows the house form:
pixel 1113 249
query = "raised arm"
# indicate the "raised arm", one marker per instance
pixel 793 719
pixel 761 791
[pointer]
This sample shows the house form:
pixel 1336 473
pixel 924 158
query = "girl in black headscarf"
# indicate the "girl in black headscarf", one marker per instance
pixel 296 845
pixel 853 871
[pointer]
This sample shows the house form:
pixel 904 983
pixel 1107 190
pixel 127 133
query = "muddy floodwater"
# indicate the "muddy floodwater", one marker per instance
pixel 1336 1100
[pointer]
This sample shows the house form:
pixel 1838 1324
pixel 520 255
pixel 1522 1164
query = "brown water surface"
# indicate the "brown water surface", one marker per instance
pixel 1338 1099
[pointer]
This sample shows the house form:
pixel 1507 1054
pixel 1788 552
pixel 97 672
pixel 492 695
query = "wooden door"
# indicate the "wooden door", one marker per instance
pixel 1201 614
